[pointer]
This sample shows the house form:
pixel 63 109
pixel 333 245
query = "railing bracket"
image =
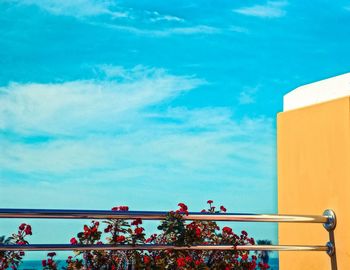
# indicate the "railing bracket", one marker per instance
pixel 332 220
pixel 331 249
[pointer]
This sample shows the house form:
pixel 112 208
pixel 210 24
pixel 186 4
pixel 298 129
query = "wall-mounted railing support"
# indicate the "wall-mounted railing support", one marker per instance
pixel 332 220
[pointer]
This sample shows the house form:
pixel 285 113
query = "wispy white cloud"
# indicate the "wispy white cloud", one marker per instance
pixel 38 108
pixel 125 121
pixel 76 8
pixel 238 29
pixel 247 96
pixel 88 10
pixel 165 32
pixel 272 9
pixel 155 16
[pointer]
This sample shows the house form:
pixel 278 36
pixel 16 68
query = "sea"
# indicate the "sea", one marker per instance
pixel 36 265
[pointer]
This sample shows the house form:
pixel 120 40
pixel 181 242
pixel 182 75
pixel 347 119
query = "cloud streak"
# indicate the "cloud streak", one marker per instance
pixel 124 121
pixel 106 13
pixel 165 32
pixel 76 8
pixel 272 9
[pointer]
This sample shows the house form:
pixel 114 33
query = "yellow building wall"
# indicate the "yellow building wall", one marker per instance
pixel 314 175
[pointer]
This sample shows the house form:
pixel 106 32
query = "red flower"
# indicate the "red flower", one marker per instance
pixel 188 259
pixel 263 265
pixel 227 230
pixel 51 254
pixel 146 259
pixel 209 201
pixel 73 241
pixel 108 228
pixel 137 222
pixel 183 207
pixel 223 209
pixel 245 257
pixel 120 238
pixel 43 263
pixel 120 208
pixel 244 233
pixel 152 238
pixel 28 230
pixel 181 262
pixel 22 226
pixel 198 262
pixel 139 230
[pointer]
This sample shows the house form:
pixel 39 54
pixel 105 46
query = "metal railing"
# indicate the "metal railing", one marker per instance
pixel 328 219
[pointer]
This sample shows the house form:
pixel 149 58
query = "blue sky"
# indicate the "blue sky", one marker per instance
pixel 149 103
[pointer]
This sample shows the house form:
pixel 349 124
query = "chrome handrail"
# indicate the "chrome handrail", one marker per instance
pixel 65 247
pixel 328 219
pixel 158 215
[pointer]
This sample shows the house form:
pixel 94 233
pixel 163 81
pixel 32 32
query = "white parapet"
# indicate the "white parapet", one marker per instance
pixel 321 91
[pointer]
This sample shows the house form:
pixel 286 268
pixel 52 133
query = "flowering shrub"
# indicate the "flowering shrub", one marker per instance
pixel 13 258
pixel 173 230
pixel 49 263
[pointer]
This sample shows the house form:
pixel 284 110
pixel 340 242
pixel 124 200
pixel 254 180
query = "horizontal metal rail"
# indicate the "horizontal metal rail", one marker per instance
pixel 328 219
pixel 152 215
pixel 64 247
